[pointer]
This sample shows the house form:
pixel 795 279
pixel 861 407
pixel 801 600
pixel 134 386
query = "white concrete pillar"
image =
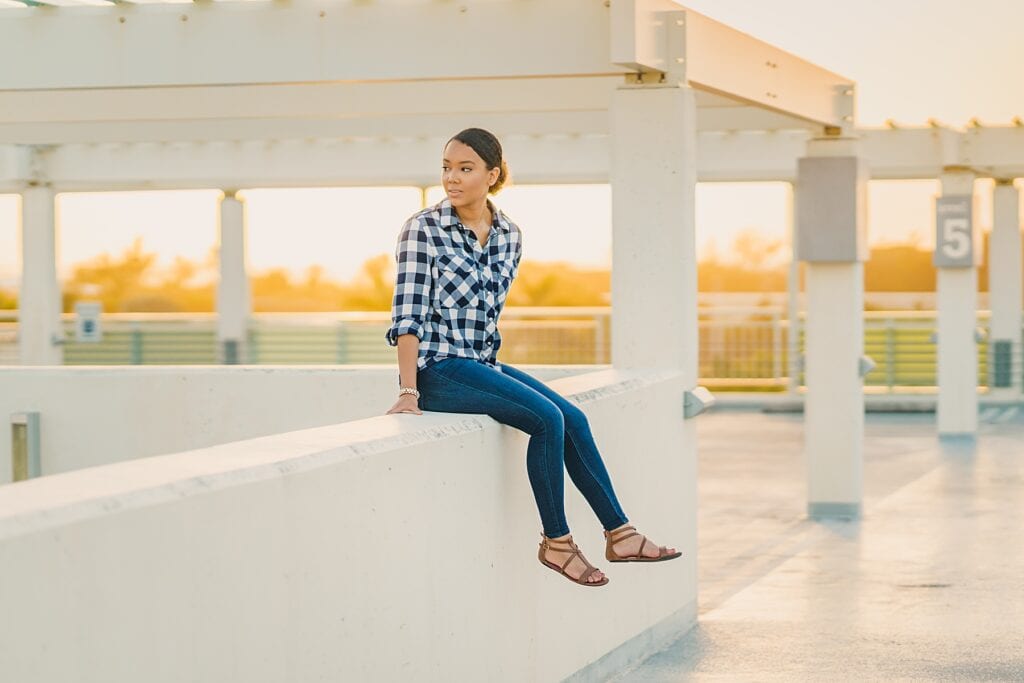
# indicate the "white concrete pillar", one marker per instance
pixel 956 258
pixel 654 265
pixel 1006 293
pixel 39 300
pixel 793 298
pixel 832 213
pixel 234 298
pixel 653 173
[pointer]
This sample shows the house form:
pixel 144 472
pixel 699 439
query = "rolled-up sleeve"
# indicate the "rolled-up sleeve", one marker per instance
pixel 518 254
pixel 411 302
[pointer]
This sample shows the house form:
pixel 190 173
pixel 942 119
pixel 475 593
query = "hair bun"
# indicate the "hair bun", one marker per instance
pixel 502 179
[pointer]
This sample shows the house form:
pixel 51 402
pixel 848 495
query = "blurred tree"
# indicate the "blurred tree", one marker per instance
pixel 748 269
pixel 8 300
pixel 373 286
pixel 131 281
pixel 556 283
pixel 110 280
pixel 899 268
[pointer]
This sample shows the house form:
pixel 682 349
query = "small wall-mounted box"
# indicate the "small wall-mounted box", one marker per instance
pixel 831 209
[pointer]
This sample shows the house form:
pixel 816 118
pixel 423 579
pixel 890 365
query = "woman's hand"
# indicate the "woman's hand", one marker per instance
pixel 406 403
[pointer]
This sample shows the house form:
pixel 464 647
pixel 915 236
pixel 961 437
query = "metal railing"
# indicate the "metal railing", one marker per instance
pixel 740 346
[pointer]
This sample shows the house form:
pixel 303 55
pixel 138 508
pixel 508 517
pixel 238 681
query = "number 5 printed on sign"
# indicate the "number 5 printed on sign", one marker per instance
pixel 954 232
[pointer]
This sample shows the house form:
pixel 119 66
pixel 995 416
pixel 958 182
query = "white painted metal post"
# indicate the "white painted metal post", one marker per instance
pixel 957 293
pixel 1005 285
pixel 39 301
pixel 832 208
pixel 654 269
pixel 234 301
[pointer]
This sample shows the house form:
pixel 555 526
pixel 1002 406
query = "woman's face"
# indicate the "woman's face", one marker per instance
pixel 464 174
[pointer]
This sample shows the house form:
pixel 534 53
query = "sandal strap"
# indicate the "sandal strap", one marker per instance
pixel 590 568
pixel 574 554
pixel 639 552
pixel 566 541
pixel 573 551
pixel 624 532
pixel 615 540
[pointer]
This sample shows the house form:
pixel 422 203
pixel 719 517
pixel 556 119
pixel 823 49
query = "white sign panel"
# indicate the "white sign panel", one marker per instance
pixel 87 327
pixel 954 232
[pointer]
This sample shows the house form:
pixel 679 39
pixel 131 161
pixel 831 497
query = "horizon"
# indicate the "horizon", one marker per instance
pixel 568 223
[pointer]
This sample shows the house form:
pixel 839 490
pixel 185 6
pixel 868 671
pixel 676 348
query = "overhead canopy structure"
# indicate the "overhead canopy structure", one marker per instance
pixel 169 95
pixel 236 94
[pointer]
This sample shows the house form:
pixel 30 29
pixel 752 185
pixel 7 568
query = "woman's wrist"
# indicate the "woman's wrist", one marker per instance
pixel 411 391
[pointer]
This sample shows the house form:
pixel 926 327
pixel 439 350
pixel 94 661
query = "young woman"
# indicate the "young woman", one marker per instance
pixel 456 262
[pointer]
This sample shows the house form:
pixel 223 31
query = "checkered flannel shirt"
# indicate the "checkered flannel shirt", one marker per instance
pixel 449 290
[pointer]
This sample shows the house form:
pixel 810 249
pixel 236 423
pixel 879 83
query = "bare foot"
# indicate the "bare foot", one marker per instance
pixel 558 552
pixel 629 547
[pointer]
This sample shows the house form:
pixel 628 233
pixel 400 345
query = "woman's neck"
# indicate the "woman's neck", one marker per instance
pixel 475 216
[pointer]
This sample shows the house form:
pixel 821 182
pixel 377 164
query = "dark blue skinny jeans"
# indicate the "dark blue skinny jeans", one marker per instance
pixel 559 432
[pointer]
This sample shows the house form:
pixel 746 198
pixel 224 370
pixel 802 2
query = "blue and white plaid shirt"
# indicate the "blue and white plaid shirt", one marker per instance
pixel 449 290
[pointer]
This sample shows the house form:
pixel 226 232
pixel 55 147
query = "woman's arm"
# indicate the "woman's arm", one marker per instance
pixel 408 352
pixel 410 308
pixel 410 305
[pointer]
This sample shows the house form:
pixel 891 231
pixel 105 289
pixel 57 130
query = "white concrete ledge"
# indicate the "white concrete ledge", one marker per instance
pixel 397 547
pixel 103 414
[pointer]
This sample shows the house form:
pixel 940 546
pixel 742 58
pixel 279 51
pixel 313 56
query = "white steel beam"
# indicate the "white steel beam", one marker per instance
pixel 663 36
pixel 537 145
pixel 292 106
pixel 213 43
pixel 328 60
pixel 907 153
pixel 269 129
pixel 995 151
pixel 302 163
pixel 323 110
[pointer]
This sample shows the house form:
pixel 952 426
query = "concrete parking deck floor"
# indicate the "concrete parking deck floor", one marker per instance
pixel 927 586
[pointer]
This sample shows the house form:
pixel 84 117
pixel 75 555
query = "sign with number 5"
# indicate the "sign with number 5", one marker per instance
pixel 954 232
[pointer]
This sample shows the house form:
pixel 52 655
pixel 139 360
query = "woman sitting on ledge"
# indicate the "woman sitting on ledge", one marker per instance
pixel 456 262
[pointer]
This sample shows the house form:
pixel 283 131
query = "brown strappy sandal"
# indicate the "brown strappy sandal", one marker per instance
pixel 623 534
pixel 544 545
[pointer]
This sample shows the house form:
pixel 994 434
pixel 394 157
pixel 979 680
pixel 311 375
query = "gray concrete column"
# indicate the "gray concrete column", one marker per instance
pixel 234 300
pixel 832 215
pixel 39 301
pixel 1005 293
pixel 956 258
